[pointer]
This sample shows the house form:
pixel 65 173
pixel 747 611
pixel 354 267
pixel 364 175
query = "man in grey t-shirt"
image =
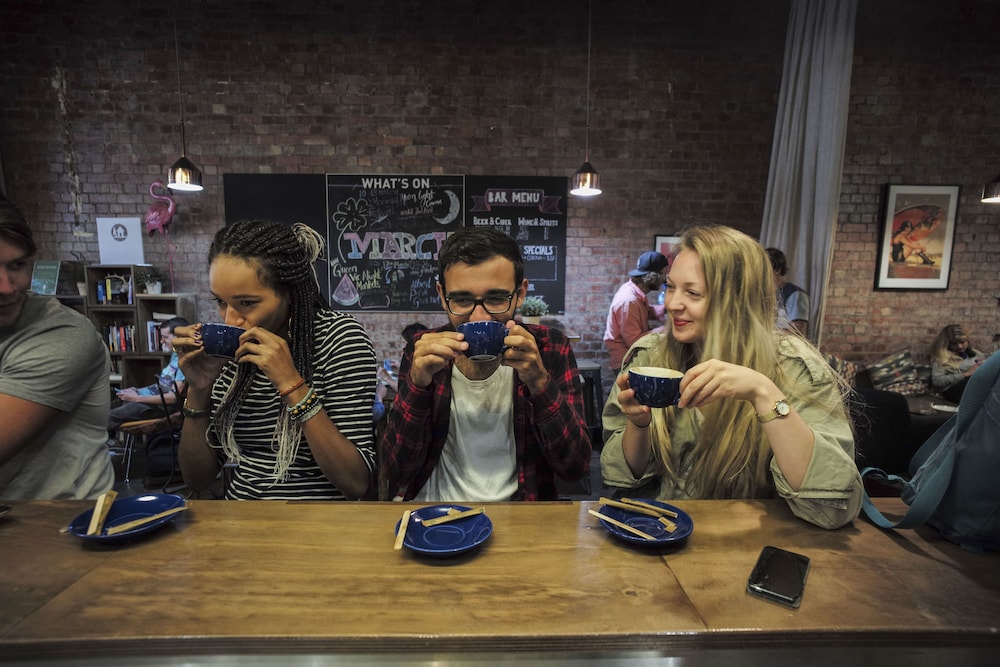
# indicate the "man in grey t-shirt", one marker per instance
pixel 54 393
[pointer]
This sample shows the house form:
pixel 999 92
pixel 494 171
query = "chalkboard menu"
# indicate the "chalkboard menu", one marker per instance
pixel 532 210
pixel 383 232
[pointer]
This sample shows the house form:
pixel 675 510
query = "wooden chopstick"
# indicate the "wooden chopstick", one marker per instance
pixel 447 518
pixel 628 507
pixel 403 523
pixel 659 510
pixel 125 527
pixel 101 510
pixel 623 526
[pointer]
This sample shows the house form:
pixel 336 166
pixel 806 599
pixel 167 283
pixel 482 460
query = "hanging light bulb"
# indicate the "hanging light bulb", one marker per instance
pixel 991 191
pixel 586 182
pixel 183 175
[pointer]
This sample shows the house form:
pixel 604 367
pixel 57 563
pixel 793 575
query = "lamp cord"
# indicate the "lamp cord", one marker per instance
pixel 180 99
pixel 590 5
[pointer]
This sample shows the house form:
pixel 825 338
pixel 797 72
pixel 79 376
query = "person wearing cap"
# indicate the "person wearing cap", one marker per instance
pixel 630 312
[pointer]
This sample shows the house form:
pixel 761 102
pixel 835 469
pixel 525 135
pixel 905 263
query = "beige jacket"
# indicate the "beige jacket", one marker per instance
pixel 832 490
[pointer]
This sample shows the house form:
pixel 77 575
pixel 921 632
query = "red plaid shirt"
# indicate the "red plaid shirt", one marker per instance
pixel 549 431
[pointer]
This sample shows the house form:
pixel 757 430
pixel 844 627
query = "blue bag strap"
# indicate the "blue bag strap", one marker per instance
pixel 932 489
pixel 935 485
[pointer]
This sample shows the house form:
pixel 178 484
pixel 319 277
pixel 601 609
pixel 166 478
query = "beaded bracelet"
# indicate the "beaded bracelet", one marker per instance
pixel 295 386
pixel 310 413
pixel 307 402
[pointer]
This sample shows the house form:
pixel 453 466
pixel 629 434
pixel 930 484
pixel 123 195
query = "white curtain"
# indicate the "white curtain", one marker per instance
pixel 807 155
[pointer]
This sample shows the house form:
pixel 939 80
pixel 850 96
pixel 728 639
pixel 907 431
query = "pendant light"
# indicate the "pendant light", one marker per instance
pixel 586 181
pixel 991 191
pixel 183 175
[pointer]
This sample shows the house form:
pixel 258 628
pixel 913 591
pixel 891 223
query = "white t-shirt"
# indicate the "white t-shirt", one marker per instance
pixel 478 463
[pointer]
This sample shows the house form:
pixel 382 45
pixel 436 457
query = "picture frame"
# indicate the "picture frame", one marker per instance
pixel 916 237
pixel 665 246
pixel 45 276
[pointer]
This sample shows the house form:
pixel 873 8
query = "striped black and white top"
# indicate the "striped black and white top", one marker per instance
pixel 344 379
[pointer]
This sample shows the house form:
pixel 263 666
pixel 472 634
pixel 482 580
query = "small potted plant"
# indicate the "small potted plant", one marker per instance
pixel 532 309
pixel 151 278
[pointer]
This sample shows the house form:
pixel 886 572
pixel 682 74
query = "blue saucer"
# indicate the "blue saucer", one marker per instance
pixel 128 509
pixel 447 539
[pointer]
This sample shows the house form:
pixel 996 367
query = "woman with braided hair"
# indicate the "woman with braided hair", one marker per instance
pixel 293 409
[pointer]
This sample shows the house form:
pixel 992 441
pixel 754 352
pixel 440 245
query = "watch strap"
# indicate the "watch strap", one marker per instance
pixel 773 413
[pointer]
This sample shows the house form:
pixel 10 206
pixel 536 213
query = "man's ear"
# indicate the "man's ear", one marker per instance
pixel 520 293
pixel 440 291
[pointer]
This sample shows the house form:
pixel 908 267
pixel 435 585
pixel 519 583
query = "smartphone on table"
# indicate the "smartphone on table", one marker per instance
pixel 779 576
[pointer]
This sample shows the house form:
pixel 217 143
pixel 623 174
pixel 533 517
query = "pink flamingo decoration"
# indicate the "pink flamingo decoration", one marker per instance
pixel 158 217
pixel 160 212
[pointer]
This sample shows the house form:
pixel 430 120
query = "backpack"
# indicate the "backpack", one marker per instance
pixel 955 475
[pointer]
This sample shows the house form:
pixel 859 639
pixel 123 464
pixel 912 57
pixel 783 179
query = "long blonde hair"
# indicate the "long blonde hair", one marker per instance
pixel 732 455
pixel 941 347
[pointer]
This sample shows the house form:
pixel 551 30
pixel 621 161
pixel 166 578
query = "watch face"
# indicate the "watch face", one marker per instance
pixel 781 407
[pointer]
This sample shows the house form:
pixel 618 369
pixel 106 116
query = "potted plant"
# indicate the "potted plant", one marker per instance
pixel 150 277
pixel 532 309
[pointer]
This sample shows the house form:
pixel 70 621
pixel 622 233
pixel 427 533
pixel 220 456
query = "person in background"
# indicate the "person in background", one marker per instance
pixel 54 393
pixel 461 430
pixel 630 311
pixel 293 411
pixel 145 402
pixel 761 413
pixel 793 301
pixel 953 361
pixel 388 373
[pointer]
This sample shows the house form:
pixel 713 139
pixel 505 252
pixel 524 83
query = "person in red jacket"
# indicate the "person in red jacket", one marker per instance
pixel 480 431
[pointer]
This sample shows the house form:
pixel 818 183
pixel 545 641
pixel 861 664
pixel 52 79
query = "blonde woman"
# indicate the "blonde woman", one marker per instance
pixel 761 414
pixel 953 361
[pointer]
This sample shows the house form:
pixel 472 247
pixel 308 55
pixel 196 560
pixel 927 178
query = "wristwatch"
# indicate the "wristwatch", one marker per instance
pixel 780 409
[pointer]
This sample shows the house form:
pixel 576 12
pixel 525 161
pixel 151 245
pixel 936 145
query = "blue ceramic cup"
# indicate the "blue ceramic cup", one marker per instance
pixel 220 340
pixel 654 386
pixel 485 339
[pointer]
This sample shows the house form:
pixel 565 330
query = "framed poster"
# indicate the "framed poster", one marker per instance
pixel 45 276
pixel 666 245
pixel 917 230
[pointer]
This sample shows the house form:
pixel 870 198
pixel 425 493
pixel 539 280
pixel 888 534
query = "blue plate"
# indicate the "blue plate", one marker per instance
pixel 648 525
pixel 446 539
pixel 128 509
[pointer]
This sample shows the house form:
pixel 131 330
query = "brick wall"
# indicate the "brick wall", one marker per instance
pixel 682 96
pixel 925 91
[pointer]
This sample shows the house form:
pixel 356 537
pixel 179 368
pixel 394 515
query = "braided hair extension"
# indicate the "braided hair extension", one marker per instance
pixel 284 259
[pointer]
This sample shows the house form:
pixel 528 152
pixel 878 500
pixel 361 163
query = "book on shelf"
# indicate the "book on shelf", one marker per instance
pixel 154 343
pixel 121 337
pixel 163 317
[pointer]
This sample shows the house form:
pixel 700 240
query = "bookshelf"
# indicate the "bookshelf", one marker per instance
pixel 123 316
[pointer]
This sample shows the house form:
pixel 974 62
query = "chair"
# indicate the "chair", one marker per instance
pixel 143 428
pixel 593 401
pixel 172 421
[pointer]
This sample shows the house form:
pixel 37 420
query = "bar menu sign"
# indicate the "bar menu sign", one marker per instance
pixel 531 210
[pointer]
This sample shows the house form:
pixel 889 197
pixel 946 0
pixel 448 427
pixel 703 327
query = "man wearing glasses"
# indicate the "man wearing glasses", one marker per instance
pixel 463 430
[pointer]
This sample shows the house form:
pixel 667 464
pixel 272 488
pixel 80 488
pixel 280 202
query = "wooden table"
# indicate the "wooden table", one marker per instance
pixel 238 578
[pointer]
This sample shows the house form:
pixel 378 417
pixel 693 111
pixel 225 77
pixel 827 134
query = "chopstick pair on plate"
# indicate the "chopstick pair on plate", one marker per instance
pixel 661 514
pixel 452 515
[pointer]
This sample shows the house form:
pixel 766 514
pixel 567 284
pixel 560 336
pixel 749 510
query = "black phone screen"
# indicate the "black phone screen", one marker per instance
pixel 779 575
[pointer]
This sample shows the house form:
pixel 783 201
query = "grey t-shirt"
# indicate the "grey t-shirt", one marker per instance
pixel 55 357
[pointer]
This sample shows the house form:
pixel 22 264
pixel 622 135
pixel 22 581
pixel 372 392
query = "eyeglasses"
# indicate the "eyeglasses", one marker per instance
pixel 494 304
